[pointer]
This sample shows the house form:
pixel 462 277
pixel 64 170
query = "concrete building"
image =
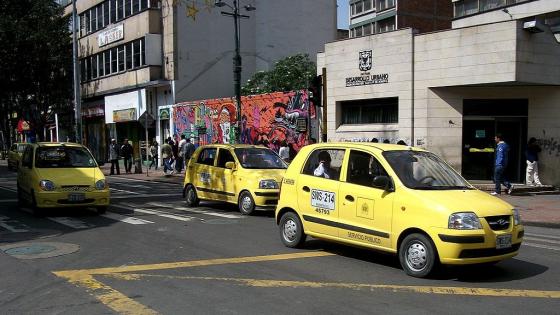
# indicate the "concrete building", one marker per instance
pixel 452 91
pixel 139 57
pixel 377 16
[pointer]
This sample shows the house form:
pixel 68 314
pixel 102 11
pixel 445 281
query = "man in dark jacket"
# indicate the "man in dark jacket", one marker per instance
pixel 126 151
pixel 114 157
pixel 500 164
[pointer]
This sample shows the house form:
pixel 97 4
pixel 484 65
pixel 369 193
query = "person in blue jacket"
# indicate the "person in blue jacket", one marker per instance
pixel 500 165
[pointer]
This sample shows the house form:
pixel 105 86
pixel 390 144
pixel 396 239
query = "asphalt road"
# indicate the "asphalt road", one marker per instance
pixel 150 254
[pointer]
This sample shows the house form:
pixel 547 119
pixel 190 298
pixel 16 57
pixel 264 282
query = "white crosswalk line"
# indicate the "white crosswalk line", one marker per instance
pixel 155 212
pixel 146 196
pixel 8 189
pixel 13 225
pixel 71 222
pixel 125 219
pixel 541 246
pixel 541 240
pixel 211 213
pixel 124 191
pixel 543 235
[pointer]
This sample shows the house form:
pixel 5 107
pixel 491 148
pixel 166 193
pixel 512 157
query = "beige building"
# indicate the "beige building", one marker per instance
pixel 451 91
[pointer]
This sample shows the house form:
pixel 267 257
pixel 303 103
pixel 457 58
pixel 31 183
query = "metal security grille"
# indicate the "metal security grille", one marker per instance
pixel 498 223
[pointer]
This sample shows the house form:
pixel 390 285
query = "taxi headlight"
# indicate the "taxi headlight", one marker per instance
pixel 268 184
pixel 516 217
pixel 100 184
pixel 46 185
pixel 464 221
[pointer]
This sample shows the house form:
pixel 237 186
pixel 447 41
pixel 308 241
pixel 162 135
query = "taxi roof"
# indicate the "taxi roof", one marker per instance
pixel 233 146
pixel 379 146
pixel 58 144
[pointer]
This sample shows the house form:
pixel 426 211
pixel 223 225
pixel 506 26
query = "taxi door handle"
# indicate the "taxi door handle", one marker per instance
pixel 349 198
pixel 306 189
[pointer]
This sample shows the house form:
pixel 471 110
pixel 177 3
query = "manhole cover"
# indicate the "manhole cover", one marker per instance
pixel 221 221
pixel 39 249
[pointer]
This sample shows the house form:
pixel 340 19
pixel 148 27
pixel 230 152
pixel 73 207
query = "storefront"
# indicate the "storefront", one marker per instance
pixel 94 134
pixel 450 92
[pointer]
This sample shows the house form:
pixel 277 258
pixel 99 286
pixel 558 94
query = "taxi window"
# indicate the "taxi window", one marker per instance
pixel 27 157
pixel 63 157
pixel 363 168
pixel 326 169
pixel 224 156
pixel 207 156
pixel 21 148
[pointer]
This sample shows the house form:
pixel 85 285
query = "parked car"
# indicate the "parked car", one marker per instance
pixel 61 175
pixel 14 155
pixel 397 199
pixel 246 175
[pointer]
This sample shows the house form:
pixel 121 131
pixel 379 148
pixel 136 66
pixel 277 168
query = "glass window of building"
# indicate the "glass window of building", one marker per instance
pixel 120 58
pixel 100 17
pixel 127 7
pixel 368 5
pixel 114 63
pixel 358 31
pixel 100 65
pixel 143 4
pixel 113 10
pixel 136 54
pixel 370 111
pixel 135 6
pixel 142 52
pixel 106 13
pixel 94 66
pixel 93 19
pixel 359 7
pixel 107 57
pixel 128 52
pixel 88 69
pixel 120 9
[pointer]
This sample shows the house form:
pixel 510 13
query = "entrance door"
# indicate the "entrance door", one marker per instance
pixel 514 131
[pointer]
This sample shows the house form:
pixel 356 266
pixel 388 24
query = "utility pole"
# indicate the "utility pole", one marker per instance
pixel 77 100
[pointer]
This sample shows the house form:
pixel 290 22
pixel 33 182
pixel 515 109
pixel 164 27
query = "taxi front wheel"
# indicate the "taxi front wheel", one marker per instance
pixel 417 255
pixel 291 230
pixel 191 196
pixel 246 203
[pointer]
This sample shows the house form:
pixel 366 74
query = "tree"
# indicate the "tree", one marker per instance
pixel 291 73
pixel 36 61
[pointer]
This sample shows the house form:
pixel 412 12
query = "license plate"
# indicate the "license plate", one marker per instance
pixel 76 197
pixel 503 241
pixel 322 199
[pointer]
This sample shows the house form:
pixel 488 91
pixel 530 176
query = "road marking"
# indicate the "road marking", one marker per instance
pixel 13 225
pixel 124 191
pixel 266 283
pixel 206 212
pixel 541 240
pixel 146 196
pixel 8 200
pixel 543 235
pixel 125 219
pixel 158 213
pixel 540 246
pixel 71 222
pixel 8 189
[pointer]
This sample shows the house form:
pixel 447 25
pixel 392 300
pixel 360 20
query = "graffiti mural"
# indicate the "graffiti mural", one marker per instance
pixel 267 119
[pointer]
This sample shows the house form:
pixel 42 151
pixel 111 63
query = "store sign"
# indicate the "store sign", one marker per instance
pixel 94 111
pixel 365 64
pixel 124 115
pixel 164 114
pixel 111 35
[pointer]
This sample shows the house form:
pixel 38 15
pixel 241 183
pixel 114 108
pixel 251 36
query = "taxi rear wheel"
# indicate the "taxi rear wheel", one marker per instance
pixel 246 203
pixel 417 255
pixel 291 230
pixel 191 196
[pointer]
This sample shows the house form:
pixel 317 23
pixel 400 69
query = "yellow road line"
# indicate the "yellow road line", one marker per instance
pixel 359 286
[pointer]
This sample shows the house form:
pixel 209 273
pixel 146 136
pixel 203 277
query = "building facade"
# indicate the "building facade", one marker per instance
pixel 452 91
pixel 140 57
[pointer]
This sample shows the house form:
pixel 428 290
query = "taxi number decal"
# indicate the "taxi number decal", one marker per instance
pixel 322 211
pixel 205 178
pixel 322 199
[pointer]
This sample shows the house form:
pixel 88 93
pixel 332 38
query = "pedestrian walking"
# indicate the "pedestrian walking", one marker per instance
pixel 189 150
pixel 500 165
pixel 167 156
pixel 181 154
pixel 175 148
pixel 532 155
pixel 154 155
pixel 126 151
pixel 284 151
pixel 114 157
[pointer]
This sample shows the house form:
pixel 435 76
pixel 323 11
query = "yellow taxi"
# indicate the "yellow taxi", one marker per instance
pixel 397 199
pixel 246 175
pixel 14 155
pixel 60 175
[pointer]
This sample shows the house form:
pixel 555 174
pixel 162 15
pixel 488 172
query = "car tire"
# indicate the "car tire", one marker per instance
pixel 191 197
pixel 417 255
pixel 101 209
pixel 246 203
pixel 291 230
pixel 38 212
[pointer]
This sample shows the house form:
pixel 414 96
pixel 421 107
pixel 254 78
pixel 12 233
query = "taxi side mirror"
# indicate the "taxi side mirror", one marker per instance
pixel 230 165
pixel 383 182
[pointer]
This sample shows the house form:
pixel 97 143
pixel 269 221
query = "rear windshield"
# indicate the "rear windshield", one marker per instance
pixel 63 157
pixel 259 158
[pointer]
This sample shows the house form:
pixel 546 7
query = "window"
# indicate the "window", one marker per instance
pixel 207 156
pixel 101 65
pixel 368 5
pixel 93 18
pixel 136 54
pixel 386 25
pixel 471 7
pixel 107 56
pixel 142 52
pixel 318 163
pixel 386 4
pixel 259 158
pixel 135 6
pixel 88 69
pixel 359 7
pixel 128 53
pixel 358 31
pixel 100 17
pixel 82 71
pixel 224 157
pixel 363 168
pixel 371 111
pixel 94 67
pixel 120 9
pixel 367 29
pixel 114 63
pixel 121 58
pixel 143 4
pixel 113 10
pixel 127 7
pixel 106 13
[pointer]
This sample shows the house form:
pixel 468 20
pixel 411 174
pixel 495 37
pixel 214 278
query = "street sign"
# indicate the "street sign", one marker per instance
pixel 146 120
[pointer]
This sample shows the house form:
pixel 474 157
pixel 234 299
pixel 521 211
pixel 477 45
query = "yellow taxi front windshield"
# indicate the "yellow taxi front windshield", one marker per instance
pixel 424 170
pixel 63 157
pixel 259 158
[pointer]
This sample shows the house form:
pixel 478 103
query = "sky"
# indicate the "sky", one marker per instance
pixel 342 13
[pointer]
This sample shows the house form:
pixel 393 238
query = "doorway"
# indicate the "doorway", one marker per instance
pixel 482 120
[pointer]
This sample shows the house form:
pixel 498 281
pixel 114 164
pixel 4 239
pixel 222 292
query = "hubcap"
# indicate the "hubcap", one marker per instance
pixel 290 230
pixel 416 256
pixel 190 195
pixel 246 203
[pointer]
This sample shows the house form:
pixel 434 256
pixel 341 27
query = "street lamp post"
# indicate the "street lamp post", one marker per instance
pixel 236 59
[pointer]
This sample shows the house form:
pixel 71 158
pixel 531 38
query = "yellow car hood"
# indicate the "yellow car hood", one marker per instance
pixel 71 176
pixel 476 201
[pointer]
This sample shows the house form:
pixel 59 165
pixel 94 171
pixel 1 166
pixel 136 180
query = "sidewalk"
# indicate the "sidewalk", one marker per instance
pixel 153 175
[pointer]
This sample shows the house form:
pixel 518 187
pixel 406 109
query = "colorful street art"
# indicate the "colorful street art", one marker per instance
pixel 267 119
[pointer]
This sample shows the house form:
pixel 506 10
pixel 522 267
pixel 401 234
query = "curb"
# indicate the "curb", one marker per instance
pixel 552 225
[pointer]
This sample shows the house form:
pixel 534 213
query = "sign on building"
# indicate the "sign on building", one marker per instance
pixel 111 35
